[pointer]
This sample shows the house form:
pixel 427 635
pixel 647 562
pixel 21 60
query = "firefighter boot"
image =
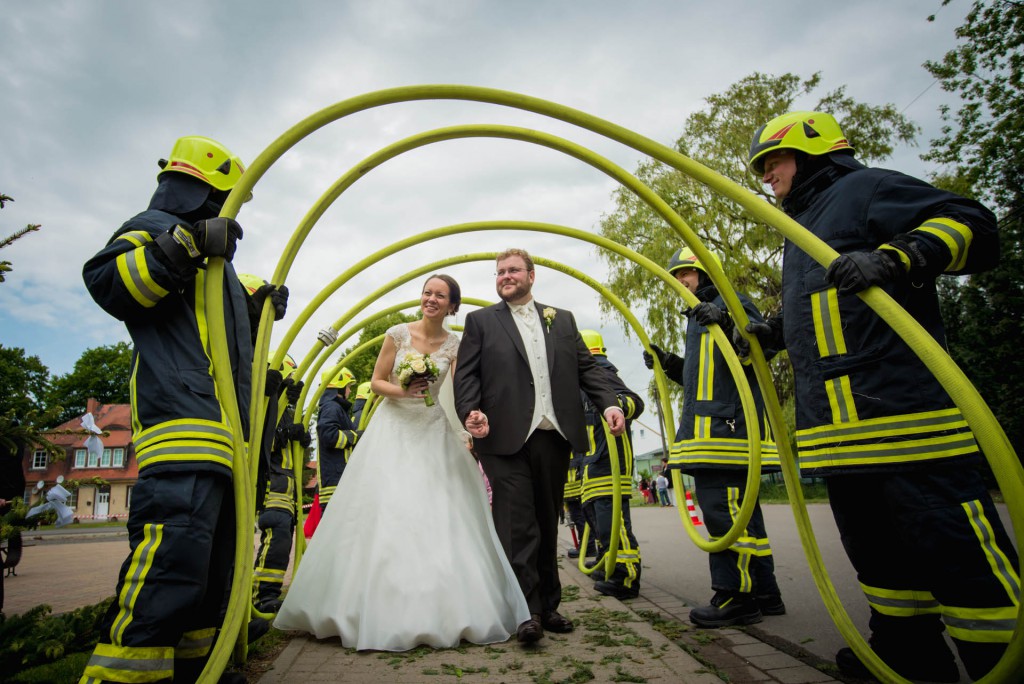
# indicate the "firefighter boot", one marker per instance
pixel 914 647
pixel 727 608
pixel 771 604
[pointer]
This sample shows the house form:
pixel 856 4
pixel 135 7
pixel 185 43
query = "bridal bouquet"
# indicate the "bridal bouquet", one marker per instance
pixel 415 366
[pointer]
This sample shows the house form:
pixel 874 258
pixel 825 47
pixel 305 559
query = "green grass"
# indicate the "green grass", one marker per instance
pixel 67 670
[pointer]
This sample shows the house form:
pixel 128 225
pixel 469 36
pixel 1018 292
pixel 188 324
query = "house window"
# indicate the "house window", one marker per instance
pixel 39 460
pixel 128 496
pixel 94 460
pixel 119 458
pixel 105 460
pixel 80 458
pixel 73 501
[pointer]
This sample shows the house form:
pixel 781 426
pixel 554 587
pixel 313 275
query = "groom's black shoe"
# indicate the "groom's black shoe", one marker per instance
pixel 530 631
pixel 553 622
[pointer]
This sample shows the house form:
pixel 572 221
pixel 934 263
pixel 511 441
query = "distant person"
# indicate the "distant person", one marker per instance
pixel 661 483
pixel 899 460
pixel 12 486
pixel 712 446
pixel 336 433
pixel 599 482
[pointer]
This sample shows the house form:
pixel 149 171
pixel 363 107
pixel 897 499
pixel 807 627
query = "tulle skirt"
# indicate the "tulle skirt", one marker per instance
pixel 406 553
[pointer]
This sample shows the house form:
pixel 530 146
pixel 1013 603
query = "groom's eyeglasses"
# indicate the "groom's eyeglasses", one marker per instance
pixel 509 271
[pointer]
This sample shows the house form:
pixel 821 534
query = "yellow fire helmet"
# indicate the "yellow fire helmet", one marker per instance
pixel 594 342
pixel 288 364
pixel 251 282
pixel 341 379
pixel 205 159
pixel 811 132
pixel 685 258
pixel 363 391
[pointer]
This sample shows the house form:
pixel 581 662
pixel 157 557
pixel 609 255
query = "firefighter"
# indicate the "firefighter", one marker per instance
pixel 275 489
pixel 173 587
pixel 711 445
pixel 572 496
pixel 364 396
pixel 336 434
pixel 870 417
pixel 597 492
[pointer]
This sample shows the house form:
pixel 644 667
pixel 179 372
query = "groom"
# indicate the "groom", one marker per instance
pixel 517 390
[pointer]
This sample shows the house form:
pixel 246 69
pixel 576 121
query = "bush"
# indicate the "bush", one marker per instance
pixel 36 637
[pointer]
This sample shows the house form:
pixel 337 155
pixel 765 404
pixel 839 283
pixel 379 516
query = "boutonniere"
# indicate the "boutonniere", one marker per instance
pixel 549 317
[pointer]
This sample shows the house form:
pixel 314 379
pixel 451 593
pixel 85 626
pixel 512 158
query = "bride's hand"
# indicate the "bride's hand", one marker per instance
pixel 417 388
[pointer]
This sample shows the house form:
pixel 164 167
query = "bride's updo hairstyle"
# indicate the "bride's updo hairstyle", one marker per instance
pixel 454 291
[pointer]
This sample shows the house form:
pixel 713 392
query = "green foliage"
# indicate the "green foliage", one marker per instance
pixel 5 266
pixel 362 365
pixel 24 381
pixel 984 324
pixel 983 140
pixel 719 138
pixel 101 372
pixel 35 636
pixel 982 144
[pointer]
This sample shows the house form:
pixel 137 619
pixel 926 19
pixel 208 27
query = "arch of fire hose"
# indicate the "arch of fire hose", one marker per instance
pixel 992 440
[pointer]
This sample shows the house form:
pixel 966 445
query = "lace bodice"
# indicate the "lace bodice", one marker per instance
pixel 443 357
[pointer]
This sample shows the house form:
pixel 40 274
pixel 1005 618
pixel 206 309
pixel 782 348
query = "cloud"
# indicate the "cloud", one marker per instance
pixel 96 93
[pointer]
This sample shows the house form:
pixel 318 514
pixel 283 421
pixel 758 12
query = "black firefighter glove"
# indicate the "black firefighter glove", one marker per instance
pixel 707 313
pixel 768 333
pixel 662 356
pixel 292 390
pixel 298 433
pixel 278 299
pixel 184 246
pixel 273 382
pixel 857 271
pixel 671 364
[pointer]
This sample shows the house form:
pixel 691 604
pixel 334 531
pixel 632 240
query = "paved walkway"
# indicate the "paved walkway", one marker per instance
pixel 613 641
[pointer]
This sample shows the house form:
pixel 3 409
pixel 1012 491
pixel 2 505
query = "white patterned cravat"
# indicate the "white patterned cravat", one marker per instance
pixel 524 311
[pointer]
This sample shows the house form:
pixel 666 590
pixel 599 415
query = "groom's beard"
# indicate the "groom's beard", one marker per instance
pixel 521 290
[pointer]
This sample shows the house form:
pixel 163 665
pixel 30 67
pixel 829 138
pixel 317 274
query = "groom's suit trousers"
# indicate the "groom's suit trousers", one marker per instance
pixel 527 488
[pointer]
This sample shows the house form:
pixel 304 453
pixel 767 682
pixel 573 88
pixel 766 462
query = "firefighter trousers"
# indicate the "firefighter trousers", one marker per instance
pixel 173 588
pixel 627 557
pixel 748 565
pixel 276 529
pixel 930 550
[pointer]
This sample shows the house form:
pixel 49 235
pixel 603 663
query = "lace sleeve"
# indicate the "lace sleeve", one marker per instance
pixel 399 334
pixel 450 348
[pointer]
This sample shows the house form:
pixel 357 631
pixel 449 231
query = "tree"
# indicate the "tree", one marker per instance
pixel 983 140
pixel 5 266
pixel 719 137
pixel 24 381
pixel 101 372
pixel 982 144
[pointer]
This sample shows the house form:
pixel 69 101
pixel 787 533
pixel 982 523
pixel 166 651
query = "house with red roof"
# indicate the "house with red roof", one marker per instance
pixel 105 480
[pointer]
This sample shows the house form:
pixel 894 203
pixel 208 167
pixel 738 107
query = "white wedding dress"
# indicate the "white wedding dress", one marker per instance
pixel 406 553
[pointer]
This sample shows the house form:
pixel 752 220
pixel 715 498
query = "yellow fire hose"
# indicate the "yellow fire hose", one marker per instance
pixel 989 434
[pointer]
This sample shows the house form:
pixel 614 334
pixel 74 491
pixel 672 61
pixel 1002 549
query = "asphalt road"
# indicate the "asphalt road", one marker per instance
pixel 672 563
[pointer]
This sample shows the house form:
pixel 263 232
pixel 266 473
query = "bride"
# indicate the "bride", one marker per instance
pixel 423 564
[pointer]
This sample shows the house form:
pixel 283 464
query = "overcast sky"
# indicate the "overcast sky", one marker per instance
pixel 94 93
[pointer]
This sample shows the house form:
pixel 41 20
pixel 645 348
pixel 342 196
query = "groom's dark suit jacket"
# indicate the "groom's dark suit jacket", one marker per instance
pixel 492 374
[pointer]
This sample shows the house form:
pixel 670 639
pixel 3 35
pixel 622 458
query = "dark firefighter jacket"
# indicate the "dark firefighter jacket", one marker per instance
pixel 597 465
pixel 712 430
pixel 336 436
pixel 178 422
pixel 864 399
